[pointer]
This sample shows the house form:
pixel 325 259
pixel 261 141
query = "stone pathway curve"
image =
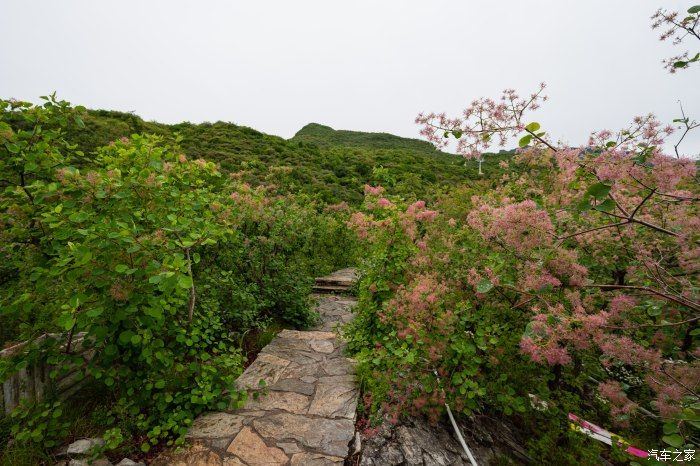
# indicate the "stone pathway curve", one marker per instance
pixel 302 414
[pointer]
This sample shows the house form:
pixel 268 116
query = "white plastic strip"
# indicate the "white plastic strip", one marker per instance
pixel 459 436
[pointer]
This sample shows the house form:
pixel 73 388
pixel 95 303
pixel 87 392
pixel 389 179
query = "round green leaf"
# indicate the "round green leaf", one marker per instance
pixel 484 286
pixel 532 127
pixel 674 440
pixel 599 190
pixel 13 148
pixel 525 140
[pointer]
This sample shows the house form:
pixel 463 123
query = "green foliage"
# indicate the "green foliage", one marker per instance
pixel 327 165
pixel 161 261
pixel 442 316
pixel 42 423
pixel 326 136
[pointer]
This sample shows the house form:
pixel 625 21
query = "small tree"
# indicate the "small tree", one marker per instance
pixel 109 250
pixel 483 123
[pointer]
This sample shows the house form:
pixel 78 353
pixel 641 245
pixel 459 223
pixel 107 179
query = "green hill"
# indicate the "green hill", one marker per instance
pixel 327 136
pixel 329 165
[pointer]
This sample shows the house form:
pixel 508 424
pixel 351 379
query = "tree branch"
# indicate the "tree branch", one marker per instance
pixel 670 324
pixel 193 293
pixel 611 225
pixel 675 299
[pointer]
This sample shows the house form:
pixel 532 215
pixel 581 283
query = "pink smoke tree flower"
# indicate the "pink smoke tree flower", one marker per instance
pixel 574 279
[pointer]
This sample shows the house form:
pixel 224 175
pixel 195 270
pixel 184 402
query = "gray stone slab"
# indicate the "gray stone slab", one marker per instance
pixel 294 385
pixel 313 459
pixel 328 436
pixel 267 367
pixel 335 399
pixel 274 400
pixel 216 425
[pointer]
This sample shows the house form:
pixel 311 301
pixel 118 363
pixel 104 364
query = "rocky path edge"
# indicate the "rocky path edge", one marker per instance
pixel 302 413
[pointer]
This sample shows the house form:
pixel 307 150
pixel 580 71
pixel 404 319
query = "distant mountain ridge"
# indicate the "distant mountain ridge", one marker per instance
pixel 323 135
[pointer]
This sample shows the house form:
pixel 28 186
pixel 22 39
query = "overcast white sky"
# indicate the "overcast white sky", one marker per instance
pixel 360 64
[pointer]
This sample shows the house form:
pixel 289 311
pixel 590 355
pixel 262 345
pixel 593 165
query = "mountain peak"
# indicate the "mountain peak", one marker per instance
pixel 323 135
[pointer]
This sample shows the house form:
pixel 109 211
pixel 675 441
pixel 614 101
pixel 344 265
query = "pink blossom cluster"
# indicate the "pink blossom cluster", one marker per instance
pixel 415 308
pixel 669 393
pixel 614 229
pixel 521 226
pixel 361 223
pixel 535 277
pixel 340 207
pixel 623 348
pixel 552 353
pixel 621 405
pixel 566 267
pixel 373 190
pixel 620 304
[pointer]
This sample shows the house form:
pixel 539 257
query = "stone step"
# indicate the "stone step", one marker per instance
pixel 330 289
pixel 324 281
pixel 346 277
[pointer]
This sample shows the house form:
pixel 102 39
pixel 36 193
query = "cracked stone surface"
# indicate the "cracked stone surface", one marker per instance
pixel 327 436
pixel 249 447
pixel 303 413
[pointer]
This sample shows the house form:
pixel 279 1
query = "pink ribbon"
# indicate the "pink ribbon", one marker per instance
pixel 605 436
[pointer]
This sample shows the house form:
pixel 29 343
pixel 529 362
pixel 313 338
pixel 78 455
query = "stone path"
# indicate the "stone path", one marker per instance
pixel 302 414
pixel 340 281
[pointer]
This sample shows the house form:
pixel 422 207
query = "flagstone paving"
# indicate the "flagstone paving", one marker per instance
pixel 302 414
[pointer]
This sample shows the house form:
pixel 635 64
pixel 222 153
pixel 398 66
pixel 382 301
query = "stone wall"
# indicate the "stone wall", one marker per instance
pixel 33 382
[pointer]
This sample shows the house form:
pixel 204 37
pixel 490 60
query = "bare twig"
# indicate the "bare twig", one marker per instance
pixel 669 324
pixel 689 126
pixel 193 293
pixel 604 227
pixel 676 299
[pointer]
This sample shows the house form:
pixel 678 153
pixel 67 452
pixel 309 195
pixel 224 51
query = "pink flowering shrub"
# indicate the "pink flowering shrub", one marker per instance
pixel 574 280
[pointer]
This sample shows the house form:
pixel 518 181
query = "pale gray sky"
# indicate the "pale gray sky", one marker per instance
pixel 359 64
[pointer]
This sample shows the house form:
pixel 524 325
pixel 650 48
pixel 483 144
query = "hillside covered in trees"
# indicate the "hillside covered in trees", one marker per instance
pixel 329 165
pixel 550 305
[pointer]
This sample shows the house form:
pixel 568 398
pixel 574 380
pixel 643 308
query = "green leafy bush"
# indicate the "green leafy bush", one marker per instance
pixel 160 260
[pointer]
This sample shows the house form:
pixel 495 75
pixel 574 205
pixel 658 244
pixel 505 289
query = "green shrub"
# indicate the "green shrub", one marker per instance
pixel 160 260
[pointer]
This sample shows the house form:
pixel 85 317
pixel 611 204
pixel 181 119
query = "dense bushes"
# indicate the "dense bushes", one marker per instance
pixel 571 287
pixel 161 260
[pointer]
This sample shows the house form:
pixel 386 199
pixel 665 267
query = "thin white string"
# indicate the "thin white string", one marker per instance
pixel 459 436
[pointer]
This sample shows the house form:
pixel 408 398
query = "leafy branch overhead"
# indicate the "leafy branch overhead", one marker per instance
pixel 678 27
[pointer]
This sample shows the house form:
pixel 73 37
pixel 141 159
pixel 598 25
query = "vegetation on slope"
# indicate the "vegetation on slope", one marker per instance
pixel 167 266
pixel 322 135
pixel 569 291
pixel 328 165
